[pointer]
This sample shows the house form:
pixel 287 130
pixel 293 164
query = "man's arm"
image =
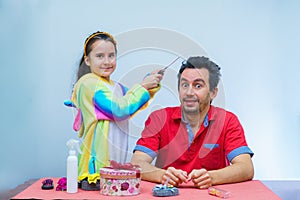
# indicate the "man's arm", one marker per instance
pixel 149 171
pixel 241 169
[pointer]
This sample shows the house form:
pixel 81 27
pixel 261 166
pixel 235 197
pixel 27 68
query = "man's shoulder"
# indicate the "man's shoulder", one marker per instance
pixel 168 109
pixel 221 111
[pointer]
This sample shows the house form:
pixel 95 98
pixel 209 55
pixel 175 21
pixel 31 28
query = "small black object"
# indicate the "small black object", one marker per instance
pixel 47 184
pixel 85 185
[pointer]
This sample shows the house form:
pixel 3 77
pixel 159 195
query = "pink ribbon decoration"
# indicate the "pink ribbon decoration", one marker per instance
pixel 128 166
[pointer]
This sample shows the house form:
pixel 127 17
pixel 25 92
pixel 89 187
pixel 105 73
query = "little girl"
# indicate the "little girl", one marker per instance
pixel 104 107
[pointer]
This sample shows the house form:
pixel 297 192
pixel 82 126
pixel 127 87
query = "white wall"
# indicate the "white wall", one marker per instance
pixel 256 44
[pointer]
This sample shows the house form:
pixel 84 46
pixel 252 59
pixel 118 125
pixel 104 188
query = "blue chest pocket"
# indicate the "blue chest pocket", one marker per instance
pixel 211 146
pixel 211 156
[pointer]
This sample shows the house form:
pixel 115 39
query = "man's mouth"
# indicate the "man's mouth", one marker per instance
pixel 190 100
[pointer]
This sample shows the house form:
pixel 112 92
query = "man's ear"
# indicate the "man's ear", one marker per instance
pixel 86 60
pixel 213 93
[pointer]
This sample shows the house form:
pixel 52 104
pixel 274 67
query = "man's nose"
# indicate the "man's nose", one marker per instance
pixel 190 90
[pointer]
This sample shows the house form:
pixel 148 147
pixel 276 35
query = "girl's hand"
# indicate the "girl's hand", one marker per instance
pixel 152 80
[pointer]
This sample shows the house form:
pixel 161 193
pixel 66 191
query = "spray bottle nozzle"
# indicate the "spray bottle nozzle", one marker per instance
pixel 73 146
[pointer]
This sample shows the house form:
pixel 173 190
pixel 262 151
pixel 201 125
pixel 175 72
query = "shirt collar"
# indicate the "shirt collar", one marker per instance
pixel 209 116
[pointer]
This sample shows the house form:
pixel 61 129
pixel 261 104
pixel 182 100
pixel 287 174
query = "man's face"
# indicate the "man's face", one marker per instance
pixel 194 91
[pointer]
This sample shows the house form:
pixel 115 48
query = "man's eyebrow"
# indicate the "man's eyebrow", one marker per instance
pixel 196 80
pixel 183 79
pixel 199 80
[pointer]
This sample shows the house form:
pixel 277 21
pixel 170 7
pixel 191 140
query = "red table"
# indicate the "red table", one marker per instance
pixel 246 190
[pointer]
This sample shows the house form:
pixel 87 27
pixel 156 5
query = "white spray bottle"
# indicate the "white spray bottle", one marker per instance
pixel 72 166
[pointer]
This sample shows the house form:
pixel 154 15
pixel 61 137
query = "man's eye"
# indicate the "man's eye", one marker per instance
pixel 198 86
pixel 112 55
pixel 100 56
pixel 184 85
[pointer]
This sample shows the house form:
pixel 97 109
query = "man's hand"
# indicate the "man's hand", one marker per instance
pixel 201 178
pixel 174 176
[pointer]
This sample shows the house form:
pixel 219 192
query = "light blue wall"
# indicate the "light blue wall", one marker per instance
pixel 256 43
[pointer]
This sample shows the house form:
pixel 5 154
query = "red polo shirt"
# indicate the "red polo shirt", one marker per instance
pixel 220 139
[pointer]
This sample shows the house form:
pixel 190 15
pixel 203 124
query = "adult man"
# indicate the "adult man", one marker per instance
pixel 195 141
